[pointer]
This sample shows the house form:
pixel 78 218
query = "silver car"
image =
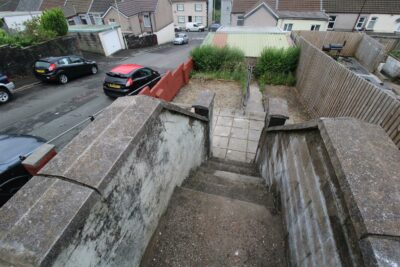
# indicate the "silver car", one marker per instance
pixel 6 88
pixel 181 38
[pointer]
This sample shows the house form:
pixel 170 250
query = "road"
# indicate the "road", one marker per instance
pixel 47 110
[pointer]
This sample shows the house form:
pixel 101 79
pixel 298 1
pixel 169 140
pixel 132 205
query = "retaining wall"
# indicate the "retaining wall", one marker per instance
pixel 19 61
pixel 135 42
pixel 329 89
pixel 337 182
pixel 98 202
pixel 170 84
pixel 89 42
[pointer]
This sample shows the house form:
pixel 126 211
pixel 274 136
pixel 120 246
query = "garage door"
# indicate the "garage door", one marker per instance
pixel 111 42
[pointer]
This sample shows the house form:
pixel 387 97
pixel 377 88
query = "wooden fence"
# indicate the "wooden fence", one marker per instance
pixel 329 89
pixel 319 39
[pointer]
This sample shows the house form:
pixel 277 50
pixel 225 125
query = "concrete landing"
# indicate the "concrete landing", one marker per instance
pixel 255 102
pixel 201 229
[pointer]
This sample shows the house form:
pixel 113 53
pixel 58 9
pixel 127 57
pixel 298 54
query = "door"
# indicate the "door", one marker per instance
pixel 76 67
pixel 111 42
pixel 190 19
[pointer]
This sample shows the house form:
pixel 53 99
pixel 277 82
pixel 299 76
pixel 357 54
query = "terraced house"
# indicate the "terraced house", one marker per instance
pixel 185 11
pixel 382 16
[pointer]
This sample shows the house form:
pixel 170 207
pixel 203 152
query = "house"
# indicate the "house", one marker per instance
pixel 288 15
pixel 15 20
pixel 382 16
pixel 143 17
pixel 189 11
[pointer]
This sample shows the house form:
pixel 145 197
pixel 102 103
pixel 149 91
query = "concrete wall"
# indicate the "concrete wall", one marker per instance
pixel 19 61
pixel 98 201
pixel 302 25
pixel 370 53
pixel 189 10
pixel 260 18
pixel 166 35
pixel 89 42
pixel 337 211
pixel 392 68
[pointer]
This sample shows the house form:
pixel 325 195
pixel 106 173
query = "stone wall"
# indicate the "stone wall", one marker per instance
pixel 89 41
pixel 19 61
pixel 135 42
pixel 337 182
pixel 99 200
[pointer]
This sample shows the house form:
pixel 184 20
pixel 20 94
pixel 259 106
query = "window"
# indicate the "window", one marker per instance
pixel 372 23
pixel 198 19
pixel 240 21
pixel 76 59
pixel 83 19
pixel 288 27
pixel 63 61
pixel 180 7
pixel 111 21
pixel 198 7
pixel 146 21
pixel 97 19
pixel 181 19
pixel 142 73
pixel 315 27
pixel 331 23
pixel 360 23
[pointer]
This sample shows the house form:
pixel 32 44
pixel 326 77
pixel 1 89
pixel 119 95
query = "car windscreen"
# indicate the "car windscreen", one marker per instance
pixel 42 64
pixel 118 78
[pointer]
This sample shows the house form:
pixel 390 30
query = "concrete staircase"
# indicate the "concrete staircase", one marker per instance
pixel 223 215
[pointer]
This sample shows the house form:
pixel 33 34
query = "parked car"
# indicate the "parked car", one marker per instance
pixel 6 88
pixel 194 27
pixel 214 27
pixel 178 28
pixel 129 78
pixel 181 38
pixel 64 68
pixel 13 150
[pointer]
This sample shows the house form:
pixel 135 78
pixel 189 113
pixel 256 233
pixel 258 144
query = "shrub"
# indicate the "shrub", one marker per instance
pixel 210 58
pixel 53 20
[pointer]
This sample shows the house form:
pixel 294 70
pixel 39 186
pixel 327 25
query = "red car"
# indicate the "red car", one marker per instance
pixel 129 79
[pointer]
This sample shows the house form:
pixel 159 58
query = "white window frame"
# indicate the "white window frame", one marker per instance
pixel 315 27
pixel 331 22
pixel 180 7
pixel 357 27
pixel 240 20
pixel 97 19
pixel 372 20
pixel 181 19
pixel 146 20
pixel 198 9
pixel 287 27
pixel 198 19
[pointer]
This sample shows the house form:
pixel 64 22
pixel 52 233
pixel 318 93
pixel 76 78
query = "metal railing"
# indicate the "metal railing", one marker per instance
pixel 92 117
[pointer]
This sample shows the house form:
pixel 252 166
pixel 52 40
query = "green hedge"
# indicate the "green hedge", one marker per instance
pixel 39 29
pixel 226 63
pixel 277 66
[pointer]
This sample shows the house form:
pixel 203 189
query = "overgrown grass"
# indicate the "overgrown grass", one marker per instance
pixel 277 66
pixel 225 63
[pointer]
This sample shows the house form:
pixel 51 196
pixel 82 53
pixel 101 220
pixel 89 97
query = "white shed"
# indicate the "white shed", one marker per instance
pixel 14 20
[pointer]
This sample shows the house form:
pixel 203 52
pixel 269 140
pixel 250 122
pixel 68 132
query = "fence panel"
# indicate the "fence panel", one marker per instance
pixel 329 89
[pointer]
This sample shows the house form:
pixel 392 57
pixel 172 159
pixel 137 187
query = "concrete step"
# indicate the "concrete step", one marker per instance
pixel 231 185
pixel 232 166
pixel 200 229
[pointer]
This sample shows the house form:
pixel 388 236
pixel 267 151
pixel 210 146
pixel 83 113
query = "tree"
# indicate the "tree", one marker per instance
pixel 54 20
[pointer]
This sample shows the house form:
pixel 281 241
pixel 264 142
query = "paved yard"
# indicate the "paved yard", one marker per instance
pixel 236 136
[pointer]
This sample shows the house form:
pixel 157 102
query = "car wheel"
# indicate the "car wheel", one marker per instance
pixel 94 70
pixel 62 78
pixel 5 96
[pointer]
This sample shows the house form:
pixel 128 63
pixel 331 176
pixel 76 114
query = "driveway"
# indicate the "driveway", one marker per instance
pixel 47 110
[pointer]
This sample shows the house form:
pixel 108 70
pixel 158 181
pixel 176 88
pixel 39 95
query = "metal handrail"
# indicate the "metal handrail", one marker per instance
pixel 92 117
pixel 246 94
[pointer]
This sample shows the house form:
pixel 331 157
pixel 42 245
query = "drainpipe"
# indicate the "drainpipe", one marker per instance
pixel 359 15
pixel 277 5
pixel 151 23
pixel 119 18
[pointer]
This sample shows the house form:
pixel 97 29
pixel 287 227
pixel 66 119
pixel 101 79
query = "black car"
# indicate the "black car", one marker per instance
pixel 6 88
pixel 129 78
pixel 214 27
pixel 62 69
pixel 13 150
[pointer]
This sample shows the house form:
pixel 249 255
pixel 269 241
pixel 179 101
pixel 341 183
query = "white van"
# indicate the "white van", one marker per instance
pixel 194 27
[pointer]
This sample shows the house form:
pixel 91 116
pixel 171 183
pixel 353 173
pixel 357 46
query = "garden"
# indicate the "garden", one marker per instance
pixel 51 24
